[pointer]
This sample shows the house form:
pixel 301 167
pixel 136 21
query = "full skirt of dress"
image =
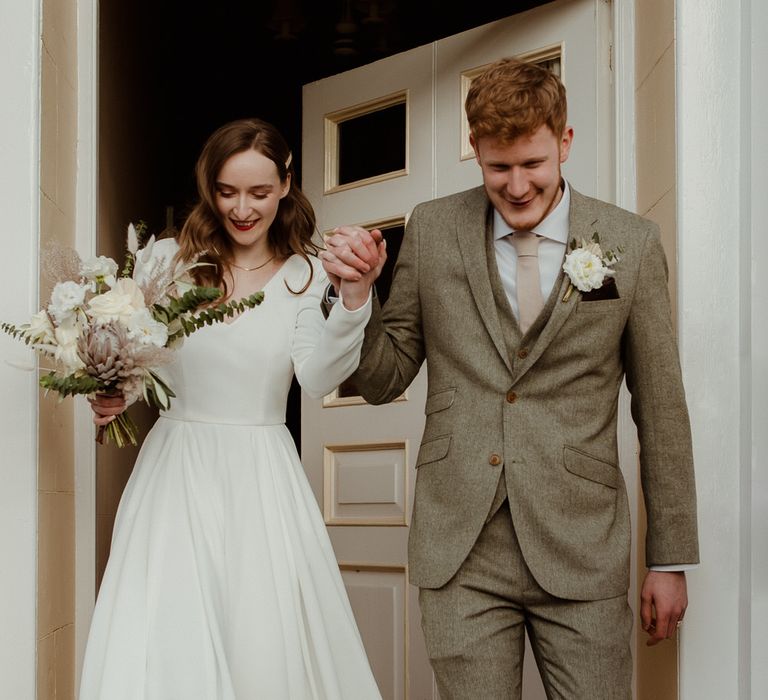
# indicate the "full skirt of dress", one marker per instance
pixel 222 583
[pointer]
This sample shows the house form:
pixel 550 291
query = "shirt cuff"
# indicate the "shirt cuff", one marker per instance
pixel 674 567
pixel 330 297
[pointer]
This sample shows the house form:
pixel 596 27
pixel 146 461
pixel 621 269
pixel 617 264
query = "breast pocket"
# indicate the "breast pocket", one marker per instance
pixel 604 306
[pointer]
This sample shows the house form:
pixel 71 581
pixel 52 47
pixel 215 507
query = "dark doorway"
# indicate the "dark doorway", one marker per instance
pixel 171 72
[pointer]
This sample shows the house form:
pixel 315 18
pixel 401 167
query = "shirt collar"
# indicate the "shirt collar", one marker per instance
pixel 554 226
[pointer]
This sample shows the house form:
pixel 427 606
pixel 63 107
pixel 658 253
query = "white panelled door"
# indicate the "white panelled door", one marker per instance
pixel 377 141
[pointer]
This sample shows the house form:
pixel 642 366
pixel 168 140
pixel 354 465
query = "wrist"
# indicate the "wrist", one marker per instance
pixel 353 302
pixel 354 296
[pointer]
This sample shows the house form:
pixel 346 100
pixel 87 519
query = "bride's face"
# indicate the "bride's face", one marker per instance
pixel 248 193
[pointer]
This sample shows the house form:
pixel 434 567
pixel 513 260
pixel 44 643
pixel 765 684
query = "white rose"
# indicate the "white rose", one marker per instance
pixel 99 269
pixel 585 269
pixel 40 329
pixel 66 298
pixel 118 304
pixel 66 347
pixel 142 327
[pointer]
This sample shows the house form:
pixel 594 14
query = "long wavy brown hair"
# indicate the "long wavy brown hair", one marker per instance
pixel 203 235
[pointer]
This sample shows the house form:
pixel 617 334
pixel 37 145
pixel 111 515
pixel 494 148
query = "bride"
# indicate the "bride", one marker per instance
pixel 221 582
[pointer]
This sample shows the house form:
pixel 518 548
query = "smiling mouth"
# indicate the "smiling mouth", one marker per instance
pixel 243 225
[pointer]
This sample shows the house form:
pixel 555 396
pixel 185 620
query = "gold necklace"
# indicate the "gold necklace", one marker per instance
pixel 251 269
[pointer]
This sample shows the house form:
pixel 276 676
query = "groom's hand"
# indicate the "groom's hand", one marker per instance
pixel 353 259
pixel 663 601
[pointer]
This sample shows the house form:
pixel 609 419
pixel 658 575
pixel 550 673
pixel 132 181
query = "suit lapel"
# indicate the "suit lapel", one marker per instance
pixel 471 227
pixel 581 223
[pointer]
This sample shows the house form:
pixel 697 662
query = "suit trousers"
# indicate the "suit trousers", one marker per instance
pixel 475 627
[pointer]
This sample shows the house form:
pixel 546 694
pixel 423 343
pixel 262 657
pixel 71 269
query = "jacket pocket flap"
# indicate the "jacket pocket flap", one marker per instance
pixel 433 450
pixel 439 401
pixel 591 468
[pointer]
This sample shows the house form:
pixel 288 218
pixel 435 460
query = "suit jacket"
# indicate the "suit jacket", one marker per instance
pixel 542 406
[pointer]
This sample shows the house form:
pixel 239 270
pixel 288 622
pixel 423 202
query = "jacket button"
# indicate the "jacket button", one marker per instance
pixel 511 397
pixel 494 460
pixel 522 353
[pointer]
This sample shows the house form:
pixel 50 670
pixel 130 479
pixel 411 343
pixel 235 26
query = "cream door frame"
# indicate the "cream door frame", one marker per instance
pixel 722 99
pixel 85 242
pixel 625 193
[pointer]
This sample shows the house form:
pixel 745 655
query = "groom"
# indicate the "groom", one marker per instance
pixel 521 520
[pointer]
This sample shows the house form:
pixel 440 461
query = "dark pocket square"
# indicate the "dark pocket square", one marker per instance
pixel 608 290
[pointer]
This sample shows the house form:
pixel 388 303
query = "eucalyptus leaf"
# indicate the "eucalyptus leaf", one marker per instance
pixel 71 385
pixel 14 331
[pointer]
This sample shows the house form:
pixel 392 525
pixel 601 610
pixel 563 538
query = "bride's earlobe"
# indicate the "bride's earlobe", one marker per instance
pixel 286 186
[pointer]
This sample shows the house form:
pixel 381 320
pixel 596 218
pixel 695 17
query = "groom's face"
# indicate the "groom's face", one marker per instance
pixel 522 177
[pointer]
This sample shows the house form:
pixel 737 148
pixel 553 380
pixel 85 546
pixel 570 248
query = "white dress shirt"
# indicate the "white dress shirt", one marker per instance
pixel 554 232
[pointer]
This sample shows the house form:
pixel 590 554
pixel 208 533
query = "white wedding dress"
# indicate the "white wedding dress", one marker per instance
pixel 221 582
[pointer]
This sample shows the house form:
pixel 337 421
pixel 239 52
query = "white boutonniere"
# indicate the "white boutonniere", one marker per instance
pixel 587 265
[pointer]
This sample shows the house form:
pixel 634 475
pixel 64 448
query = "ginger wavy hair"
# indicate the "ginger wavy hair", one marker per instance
pixel 512 98
pixel 203 234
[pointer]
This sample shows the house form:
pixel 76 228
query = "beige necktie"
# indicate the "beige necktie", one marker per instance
pixel 529 298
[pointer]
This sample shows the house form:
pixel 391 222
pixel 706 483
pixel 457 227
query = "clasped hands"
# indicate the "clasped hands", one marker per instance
pixel 353 260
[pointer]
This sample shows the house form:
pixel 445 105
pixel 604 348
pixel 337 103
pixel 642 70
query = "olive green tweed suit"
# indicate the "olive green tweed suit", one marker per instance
pixel 541 406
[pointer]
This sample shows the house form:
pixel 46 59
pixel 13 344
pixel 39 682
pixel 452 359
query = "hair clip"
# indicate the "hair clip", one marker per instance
pixel 288 160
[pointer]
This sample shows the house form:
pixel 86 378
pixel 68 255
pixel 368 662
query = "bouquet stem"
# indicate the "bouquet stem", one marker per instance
pixel 122 430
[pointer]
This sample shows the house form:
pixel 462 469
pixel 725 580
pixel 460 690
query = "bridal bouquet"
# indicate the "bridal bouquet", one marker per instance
pixel 108 330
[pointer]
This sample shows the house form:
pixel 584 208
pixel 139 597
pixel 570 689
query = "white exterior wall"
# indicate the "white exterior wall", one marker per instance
pixel 755 288
pixel 722 103
pixel 85 242
pixel 19 195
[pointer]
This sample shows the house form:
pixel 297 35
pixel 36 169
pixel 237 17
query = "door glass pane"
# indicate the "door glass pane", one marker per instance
pixel 372 144
pixel 366 143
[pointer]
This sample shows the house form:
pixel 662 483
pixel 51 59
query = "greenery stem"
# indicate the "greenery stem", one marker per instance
pixel 121 431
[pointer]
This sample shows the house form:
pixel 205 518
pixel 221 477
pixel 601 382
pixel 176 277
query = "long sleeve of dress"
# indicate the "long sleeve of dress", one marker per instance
pixel 326 351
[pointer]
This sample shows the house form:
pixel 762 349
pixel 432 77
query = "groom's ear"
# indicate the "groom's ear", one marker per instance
pixel 565 143
pixel 473 143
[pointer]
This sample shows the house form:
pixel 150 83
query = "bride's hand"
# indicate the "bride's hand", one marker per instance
pixel 353 260
pixel 106 407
